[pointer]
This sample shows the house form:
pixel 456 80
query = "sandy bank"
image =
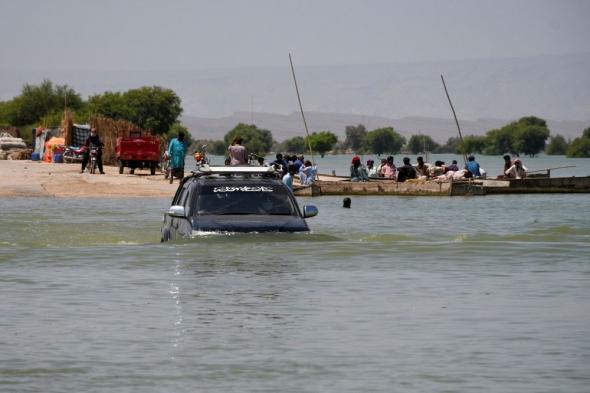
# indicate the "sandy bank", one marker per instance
pixel 31 178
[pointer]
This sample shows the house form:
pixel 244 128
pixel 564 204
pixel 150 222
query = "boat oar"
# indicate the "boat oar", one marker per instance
pixel 548 170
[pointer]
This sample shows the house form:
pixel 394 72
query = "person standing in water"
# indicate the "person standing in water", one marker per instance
pixel 288 178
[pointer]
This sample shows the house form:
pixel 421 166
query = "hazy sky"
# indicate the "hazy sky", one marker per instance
pixel 139 34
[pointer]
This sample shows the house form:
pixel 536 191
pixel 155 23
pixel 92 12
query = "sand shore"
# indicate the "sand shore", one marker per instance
pixel 35 179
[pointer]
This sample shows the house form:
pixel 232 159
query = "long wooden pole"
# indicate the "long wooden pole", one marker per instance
pixel 456 120
pixel 301 109
pixel 550 169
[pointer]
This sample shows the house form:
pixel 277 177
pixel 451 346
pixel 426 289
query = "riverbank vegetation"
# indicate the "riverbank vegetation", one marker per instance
pixel 158 109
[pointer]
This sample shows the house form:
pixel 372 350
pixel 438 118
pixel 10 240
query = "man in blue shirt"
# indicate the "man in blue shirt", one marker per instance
pixel 472 166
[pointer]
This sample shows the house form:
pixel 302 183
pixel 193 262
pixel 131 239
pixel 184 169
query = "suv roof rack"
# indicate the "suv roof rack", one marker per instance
pixel 236 170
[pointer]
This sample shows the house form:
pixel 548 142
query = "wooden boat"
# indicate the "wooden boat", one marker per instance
pixel 328 185
pixel 538 185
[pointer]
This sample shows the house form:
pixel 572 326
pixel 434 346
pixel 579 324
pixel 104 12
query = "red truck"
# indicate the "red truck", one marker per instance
pixel 138 151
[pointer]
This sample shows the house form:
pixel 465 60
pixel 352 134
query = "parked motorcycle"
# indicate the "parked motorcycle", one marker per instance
pixel 201 157
pixel 165 165
pixel 73 154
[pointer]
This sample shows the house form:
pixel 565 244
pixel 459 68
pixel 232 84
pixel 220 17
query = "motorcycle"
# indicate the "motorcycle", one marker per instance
pixel 165 165
pixel 92 163
pixel 201 157
pixel 73 154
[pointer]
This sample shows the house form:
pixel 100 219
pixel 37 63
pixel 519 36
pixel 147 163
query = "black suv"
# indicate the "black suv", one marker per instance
pixel 234 199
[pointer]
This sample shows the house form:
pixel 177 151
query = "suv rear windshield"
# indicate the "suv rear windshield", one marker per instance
pixel 240 199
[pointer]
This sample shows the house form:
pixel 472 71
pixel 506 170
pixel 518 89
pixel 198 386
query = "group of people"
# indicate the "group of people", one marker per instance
pixel 426 171
pixel 288 165
pixel 293 165
pixel 422 170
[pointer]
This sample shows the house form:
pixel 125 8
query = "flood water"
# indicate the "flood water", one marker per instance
pixel 407 294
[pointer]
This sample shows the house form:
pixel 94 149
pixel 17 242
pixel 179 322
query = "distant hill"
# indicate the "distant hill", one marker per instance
pixel 552 87
pixel 288 126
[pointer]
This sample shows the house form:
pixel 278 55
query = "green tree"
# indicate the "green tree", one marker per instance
pixel 580 147
pixel 294 145
pixel 36 101
pixel 154 108
pixel 500 141
pixel 355 137
pixel 451 146
pixel 256 140
pixel 218 148
pixel 421 144
pixel 527 135
pixel 531 139
pixel 110 104
pixel 472 144
pixel 384 140
pixel 322 141
pixel 557 145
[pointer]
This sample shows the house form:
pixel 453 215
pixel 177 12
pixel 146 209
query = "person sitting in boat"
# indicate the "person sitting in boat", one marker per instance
pixel 380 167
pixel 473 166
pixel 461 174
pixel 407 171
pixel 307 173
pixel 516 171
pixel 371 168
pixel 453 167
pixel 422 167
pixel 388 169
pixel 437 169
pixel 507 164
pixel 298 162
pixel 261 161
pixel 357 171
pixel 280 163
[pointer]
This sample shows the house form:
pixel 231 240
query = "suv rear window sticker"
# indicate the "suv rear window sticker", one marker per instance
pixel 243 189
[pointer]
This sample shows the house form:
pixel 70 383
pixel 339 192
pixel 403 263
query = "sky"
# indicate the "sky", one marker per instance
pixel 107 35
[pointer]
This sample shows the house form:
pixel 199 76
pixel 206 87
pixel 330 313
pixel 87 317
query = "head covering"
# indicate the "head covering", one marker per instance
pixel 356 160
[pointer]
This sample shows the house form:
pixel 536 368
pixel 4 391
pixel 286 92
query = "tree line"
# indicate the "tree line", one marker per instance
pixel 527 136
pixel 153 108
pixel 158 109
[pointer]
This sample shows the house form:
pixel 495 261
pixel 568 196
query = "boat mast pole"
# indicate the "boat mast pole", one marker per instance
pixel 456 120
pixel 301 109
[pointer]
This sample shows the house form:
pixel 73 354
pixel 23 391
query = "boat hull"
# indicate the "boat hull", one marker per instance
pixel 461 188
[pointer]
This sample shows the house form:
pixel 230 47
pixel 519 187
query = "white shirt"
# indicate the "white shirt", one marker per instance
pixel 516 172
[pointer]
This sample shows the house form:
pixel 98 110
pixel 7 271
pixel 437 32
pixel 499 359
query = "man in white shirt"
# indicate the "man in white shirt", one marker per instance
pixel 517 170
